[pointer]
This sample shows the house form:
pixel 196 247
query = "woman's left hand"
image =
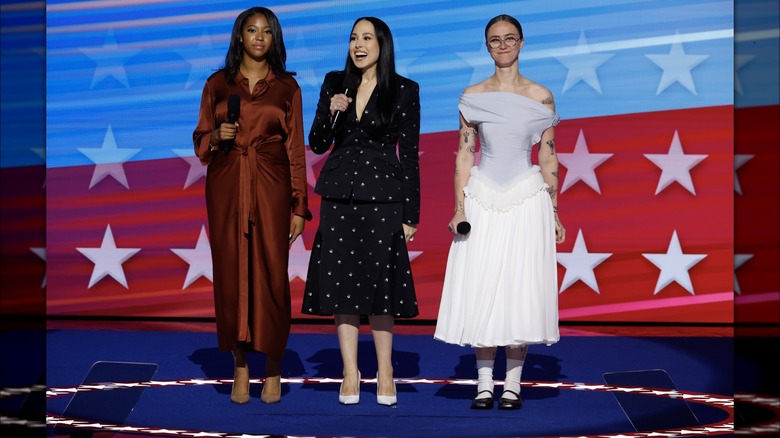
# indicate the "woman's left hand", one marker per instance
pixel 409 232
pixel 296 228
pixel 560 232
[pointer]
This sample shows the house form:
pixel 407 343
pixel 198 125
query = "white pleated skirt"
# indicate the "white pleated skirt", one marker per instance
pixel 501 283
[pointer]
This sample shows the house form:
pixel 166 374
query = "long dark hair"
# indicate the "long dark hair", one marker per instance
pixel 385 69
pixel 508 18
pixel 277 56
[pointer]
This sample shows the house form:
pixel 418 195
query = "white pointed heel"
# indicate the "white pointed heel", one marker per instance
pixel 385 400
pixel 349 399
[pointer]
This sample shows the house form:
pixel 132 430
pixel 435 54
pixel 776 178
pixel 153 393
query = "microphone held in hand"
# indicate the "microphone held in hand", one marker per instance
pixel 234 110
pixel 350 85
pixel 463 227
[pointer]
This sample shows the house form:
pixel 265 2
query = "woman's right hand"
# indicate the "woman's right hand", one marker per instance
pixel 226 131
pixel 456 219
pixel 339 102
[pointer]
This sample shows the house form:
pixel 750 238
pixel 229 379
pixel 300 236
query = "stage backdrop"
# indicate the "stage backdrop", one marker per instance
pixel 645 91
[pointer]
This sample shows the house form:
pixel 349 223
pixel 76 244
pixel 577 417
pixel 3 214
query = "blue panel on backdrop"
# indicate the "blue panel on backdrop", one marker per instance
pixel 137 70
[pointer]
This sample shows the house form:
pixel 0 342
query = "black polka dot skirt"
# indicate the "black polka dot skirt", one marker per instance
pixel 359 263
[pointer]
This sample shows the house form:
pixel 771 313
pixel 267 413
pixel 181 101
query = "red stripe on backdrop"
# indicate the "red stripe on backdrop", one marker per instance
pixel 23 240
pixel 757 215
pixel 627 219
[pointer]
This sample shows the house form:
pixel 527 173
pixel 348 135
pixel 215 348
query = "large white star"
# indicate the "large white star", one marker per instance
pixel 408 56
pixel 739 160
pixel 582 65
pixel 108 160
pixel 579 264
pixel 677 67
pixel 108 259
pixel 581 165
pixel 41 252
pixel 674 265
pixel 197 170
pixel 739 260
pixel 739 62
pixel 299 49
pixel 198 258
pixel 202 59
pixel 675 166
pixel 110 60
pixel 298 266
pixel 481 63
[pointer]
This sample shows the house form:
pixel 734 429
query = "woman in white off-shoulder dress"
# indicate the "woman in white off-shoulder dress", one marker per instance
pixel 501 285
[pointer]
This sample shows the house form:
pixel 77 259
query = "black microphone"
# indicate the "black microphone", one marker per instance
pixel 234 110
pixel 350 85
pixel 463 227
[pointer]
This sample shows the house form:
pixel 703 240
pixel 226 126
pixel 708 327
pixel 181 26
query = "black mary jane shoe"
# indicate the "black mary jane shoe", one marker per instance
pixel 508 403
pixel 484 402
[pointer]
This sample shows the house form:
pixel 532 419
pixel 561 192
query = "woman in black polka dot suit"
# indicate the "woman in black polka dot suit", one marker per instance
pixel 370 189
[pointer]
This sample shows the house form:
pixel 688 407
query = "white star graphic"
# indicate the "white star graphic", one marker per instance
pixel 108 259
pixel 674 265
pixel 408 56
pixel 108 160
pixel 739 160
pixel 582 65
pixel 198 258
pixel 739 260
pixel 311 160
pixel 298 266
pixel 579 264
pixel 197 170
pixel 41 252
pixel 581 165
pixel 677 67
pixel 110 60
pixel 202 59
pixel 739 62
pixel 480 62
pixel 675 166
pixel 299 49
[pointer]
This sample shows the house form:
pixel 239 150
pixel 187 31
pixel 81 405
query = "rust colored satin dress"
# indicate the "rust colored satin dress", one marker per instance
pixel 250 193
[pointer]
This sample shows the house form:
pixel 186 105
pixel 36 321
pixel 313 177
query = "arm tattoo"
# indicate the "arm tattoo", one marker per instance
pixel 551 144
pixel 547 101
pixel 468 132
pixel 471 149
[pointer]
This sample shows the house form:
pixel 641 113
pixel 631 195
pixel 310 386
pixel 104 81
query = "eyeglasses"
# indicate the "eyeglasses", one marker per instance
pixel 496 42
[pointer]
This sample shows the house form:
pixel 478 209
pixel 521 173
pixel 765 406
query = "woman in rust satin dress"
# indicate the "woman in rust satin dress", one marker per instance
pixel 256 194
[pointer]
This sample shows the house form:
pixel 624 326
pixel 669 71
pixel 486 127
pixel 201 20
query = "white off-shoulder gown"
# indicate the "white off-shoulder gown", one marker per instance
pixel 501 284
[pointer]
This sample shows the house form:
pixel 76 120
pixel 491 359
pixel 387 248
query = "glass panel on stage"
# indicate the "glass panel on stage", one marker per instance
pixel 107 405
pixel 651 412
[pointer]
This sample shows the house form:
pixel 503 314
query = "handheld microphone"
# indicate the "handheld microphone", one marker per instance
pixel 463 227
pixel 234 110
pixel 350 85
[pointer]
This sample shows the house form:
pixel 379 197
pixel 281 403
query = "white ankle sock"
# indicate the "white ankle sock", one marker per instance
pixel 484 378
pixel 514 368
